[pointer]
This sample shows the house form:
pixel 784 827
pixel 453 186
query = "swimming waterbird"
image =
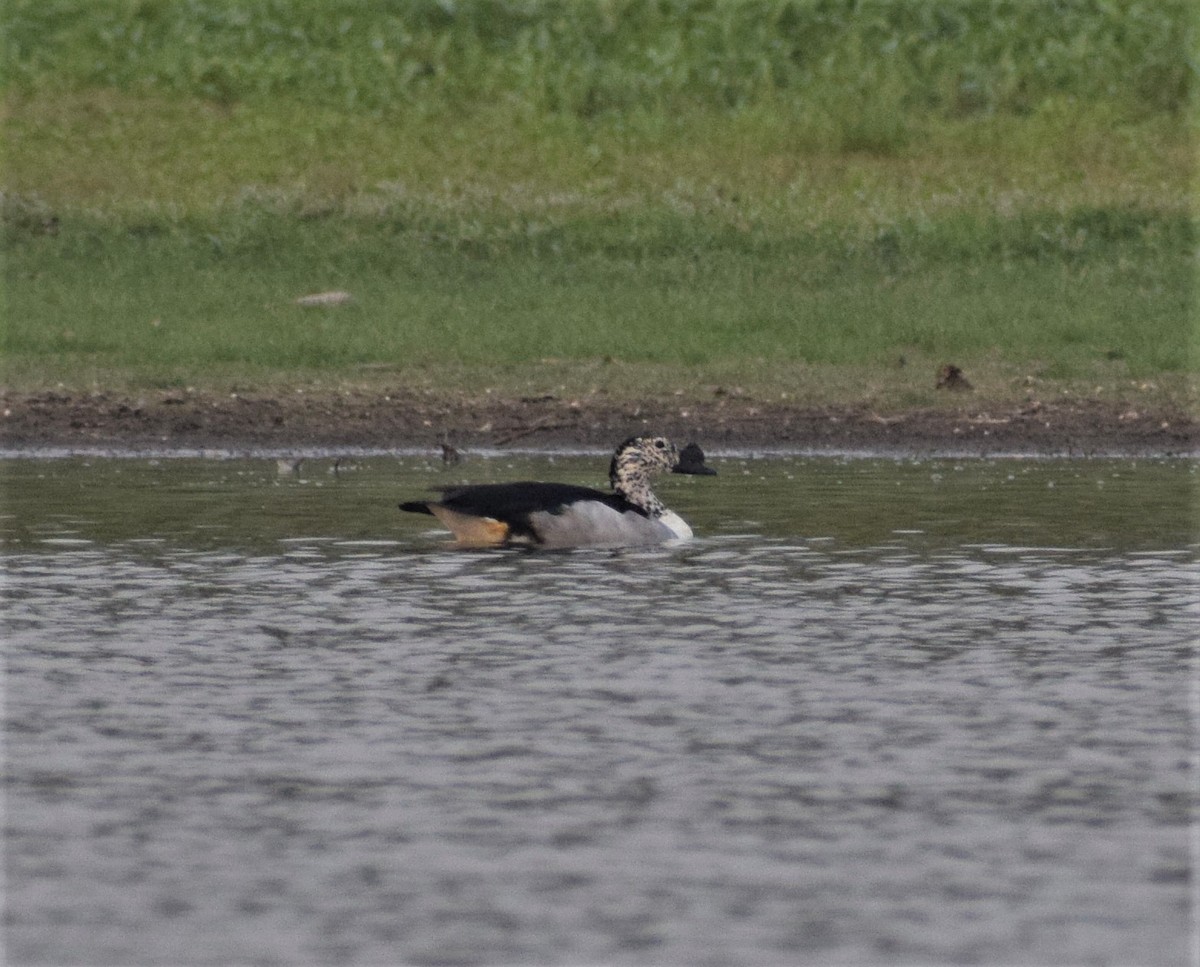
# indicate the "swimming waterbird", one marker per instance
pixel 566 515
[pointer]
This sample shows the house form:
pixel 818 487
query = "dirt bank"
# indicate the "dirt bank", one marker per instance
pixel 328 421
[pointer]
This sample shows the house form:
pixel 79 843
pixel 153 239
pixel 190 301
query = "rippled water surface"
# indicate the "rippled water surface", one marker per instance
pixel 879 712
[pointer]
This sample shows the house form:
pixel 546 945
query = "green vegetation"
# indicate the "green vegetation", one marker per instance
pixel 953 57
pixel 644 194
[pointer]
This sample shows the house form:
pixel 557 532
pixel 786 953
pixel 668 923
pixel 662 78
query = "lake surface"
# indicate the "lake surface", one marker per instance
pixel 879 712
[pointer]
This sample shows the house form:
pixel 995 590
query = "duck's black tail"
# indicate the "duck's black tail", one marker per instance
pixel 417 507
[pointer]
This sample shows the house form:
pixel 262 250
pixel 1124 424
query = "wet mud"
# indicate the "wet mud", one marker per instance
pixel 328 421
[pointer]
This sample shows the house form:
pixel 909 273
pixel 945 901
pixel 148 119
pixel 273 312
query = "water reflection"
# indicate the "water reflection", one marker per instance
pixel 879 712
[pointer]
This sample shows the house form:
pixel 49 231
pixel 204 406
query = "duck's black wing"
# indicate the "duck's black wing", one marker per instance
pixel 504 500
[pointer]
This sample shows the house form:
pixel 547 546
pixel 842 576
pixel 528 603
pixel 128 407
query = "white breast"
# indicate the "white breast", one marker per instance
pixel 677 525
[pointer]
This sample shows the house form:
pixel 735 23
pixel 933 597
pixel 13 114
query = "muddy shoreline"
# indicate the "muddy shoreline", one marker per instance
pixel 187 420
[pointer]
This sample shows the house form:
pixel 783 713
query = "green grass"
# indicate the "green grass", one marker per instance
pixel 845 59
pixel 635 195
pixel 1075 289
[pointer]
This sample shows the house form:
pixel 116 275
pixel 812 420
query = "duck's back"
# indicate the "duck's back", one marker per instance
pixel 549 514
pixel 507 500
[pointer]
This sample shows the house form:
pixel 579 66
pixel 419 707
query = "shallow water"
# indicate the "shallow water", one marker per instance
pixel 878 712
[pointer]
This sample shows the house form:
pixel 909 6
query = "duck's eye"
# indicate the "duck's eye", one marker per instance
pixel 661 444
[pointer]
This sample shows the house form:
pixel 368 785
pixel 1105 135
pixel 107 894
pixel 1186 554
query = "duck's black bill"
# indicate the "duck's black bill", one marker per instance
pixel 691 460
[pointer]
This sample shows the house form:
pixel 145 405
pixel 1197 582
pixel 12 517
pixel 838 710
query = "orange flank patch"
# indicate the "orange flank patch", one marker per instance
pixel 471 531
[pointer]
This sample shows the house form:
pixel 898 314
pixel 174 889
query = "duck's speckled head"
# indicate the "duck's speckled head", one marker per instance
pixel 643 455
pixel 639 457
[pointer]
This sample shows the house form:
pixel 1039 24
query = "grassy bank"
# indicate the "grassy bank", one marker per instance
pixel 853 63
pixel 639 195
pixel 174 299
